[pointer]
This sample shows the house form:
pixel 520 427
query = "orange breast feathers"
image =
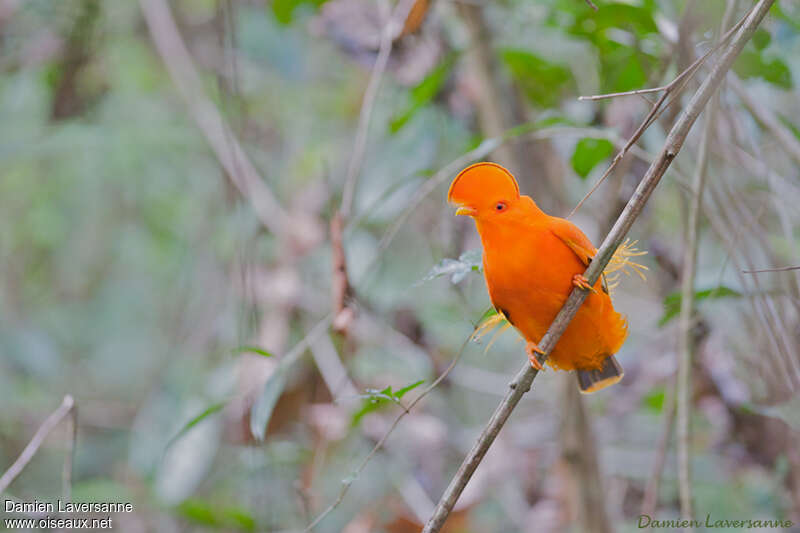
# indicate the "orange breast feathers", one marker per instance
pixel 531 262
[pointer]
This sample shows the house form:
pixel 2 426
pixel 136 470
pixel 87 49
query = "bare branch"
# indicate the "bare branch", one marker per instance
pixel 36 442
pixel 595 97
pixel 591 4
pixel 343 314
pixel 223 142
pixel 779 269
pixel 685 341
pixel 394 21
pixel 523 380
pixel 341 291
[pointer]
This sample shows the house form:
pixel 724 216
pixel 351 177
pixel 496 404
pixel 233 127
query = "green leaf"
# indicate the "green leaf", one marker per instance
pixel 262 408
pixel 198 512
pixel 541 80
pixel 626 75
pixel 376 399
pixel 753 64
pixel 239 518
pixel 672 303
pixel 654 400
pixel 761 39
pixel 284 9
pixel 211 515
pixel 791 19
pixel 399 394
pixel 486 315
pixel 457 269
pixel 588 153
pixel 196 420
pixel 252 349
pixel 639 20
pixel 424 92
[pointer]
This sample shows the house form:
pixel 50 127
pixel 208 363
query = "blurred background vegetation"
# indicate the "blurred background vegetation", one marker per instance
pixel 139 275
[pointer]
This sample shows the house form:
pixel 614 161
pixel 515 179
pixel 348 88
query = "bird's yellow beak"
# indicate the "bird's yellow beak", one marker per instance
pixel 466 211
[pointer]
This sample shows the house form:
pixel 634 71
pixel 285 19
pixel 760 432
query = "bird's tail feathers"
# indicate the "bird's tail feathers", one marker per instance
pixel 594 380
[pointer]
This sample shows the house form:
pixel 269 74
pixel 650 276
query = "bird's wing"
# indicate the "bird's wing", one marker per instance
pixel 574 238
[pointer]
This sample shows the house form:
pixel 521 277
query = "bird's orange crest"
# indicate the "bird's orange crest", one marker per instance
pixel 476 182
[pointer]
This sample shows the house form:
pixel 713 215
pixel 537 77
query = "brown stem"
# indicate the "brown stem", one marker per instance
pixel 778 269
pixel 38 438
pixel 579 453
pixel 393 18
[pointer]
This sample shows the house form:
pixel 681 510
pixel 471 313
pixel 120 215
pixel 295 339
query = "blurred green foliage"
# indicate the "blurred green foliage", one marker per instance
pixel 589 153
pixel 135 276
pixel 542 81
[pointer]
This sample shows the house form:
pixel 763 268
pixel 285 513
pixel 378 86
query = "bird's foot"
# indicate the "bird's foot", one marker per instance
pixel 532 349
pixel 580 281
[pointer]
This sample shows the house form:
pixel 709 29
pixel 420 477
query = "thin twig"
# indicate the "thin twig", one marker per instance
pixel 38 438
pixel 218 134
pixel 774 362
pixel 341 291
pixel 343 314
pixel 591 4
pixel 624 93
pixel 778 269
pixel 524 378
pixel 346 483
pixel 675 86
pixel 685 341
pixel 368 103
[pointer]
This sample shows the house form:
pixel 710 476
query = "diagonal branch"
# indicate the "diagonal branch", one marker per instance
pixel 778 269
pixel 523 380
pixel 394 22
pixel 218 134
pixel 66 407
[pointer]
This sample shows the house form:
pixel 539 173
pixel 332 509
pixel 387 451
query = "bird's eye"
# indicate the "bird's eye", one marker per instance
pixel 500 206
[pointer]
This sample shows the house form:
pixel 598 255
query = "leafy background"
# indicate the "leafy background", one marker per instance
pixel 135 277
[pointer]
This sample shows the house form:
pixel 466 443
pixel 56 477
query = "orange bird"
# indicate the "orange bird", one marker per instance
pixel 531 261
